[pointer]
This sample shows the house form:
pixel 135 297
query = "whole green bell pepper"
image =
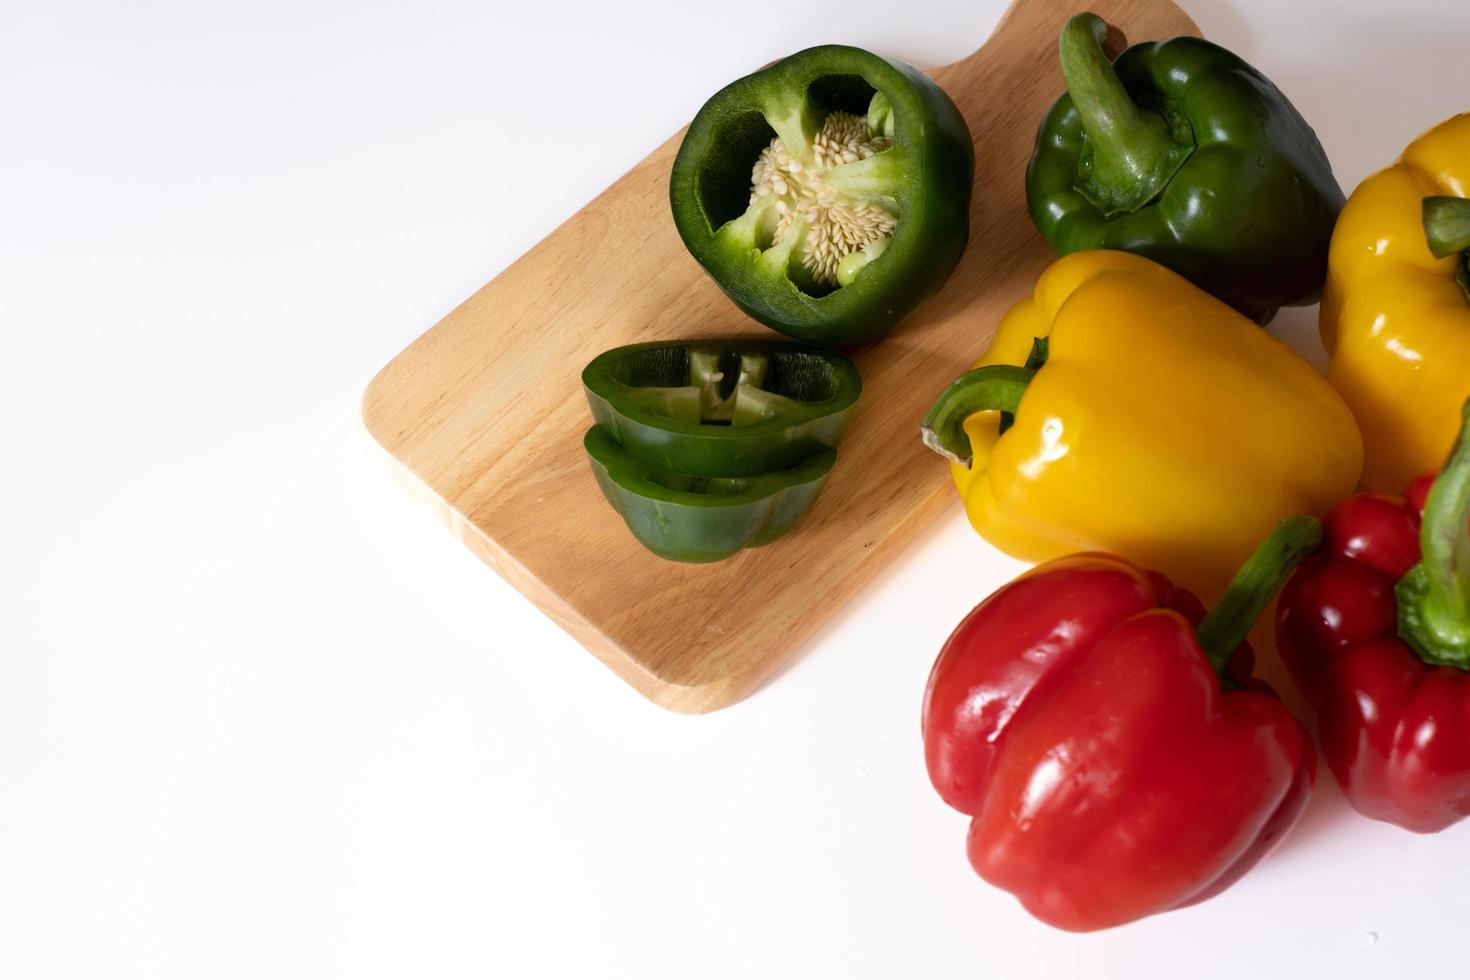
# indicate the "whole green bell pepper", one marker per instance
pixel 722 407
pixel 697 518
pixel 827 195
pixel 1183 153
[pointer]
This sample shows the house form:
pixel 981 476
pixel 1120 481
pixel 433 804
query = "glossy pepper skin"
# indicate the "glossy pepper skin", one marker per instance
pixel 1163 426
pixel 779 403
pixel 703 519
pixel 1392 695
pixel 924 179
pixel 706 447
pixel 1395 318
pixel 1076 717
pixel 1184 153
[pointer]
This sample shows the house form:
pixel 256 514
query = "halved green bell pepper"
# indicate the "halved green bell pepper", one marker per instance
pixel 828 194
pixel 722 408
pixel 703 519
pixel 1183 153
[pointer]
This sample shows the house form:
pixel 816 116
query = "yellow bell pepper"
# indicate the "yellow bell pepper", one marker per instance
pixel 1395 319
pixel 1163 425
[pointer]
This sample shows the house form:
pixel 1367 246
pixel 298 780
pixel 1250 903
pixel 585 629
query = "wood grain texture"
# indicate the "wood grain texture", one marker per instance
pixel 484 413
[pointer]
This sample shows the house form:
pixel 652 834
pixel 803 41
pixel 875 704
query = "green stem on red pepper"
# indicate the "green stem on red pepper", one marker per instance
pixel 995 387
pixel 1254 586
pixel 1434 597
pixel 1132 152
pixel 1447 228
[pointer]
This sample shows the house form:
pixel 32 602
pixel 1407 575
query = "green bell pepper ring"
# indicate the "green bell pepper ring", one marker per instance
pixel 703 519
pixel 722 407
pixel 828 195
pixel 1183 153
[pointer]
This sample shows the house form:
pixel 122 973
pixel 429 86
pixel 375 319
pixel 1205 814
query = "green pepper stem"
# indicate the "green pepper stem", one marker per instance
pixel 1445 541
pixel 1254 586
pixel 1133 154
pixel 1035 361
pixel 1447 229
pixel 1447 225
pixel 989 388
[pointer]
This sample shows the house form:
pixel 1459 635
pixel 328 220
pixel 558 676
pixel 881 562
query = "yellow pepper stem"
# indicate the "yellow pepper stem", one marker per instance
pixel 1447 225
pixel 1254 586
pixel 990 388
pixel 1447 229
pixel 1434 597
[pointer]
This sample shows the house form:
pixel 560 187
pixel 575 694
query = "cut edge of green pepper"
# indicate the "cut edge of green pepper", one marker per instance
pixel 712 407
pixel 699 491
pixel 696 519
pixel 878 181
pixel 782 95
pixel 712 179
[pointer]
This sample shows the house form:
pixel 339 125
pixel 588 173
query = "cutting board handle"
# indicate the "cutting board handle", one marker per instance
pixel 483 414
pixel 1027 16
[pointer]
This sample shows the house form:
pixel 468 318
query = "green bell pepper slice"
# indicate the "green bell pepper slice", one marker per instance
pixel 1183 153
pixel 722 408
pixel 828 195
pixel 702 519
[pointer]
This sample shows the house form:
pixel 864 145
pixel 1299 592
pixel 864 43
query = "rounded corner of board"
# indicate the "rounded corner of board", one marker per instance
pixel 372 398
pixel 703 696
pixel 701 699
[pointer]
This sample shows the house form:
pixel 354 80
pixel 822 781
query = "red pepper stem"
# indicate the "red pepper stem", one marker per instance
pixel 1254 586
pixel 1445 542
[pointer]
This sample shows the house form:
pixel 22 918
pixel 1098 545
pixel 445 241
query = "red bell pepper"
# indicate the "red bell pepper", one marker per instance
pixel 1375 630
pixel 1078 716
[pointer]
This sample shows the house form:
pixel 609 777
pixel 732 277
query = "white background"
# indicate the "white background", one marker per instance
pixel 260 717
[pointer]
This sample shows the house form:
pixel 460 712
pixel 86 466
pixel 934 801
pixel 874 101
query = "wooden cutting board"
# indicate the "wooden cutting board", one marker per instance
pixel 484 413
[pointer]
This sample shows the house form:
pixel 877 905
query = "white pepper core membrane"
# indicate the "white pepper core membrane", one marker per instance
pixel 836 225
